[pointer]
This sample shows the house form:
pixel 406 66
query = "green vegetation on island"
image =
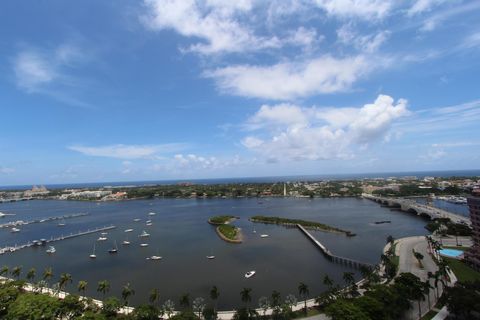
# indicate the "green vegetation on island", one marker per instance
pixel 220 219
pixel 229 233
pixel 306 224
pixel 445 226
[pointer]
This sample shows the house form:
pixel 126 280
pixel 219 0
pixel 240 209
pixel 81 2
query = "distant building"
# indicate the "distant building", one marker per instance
pixel 473 255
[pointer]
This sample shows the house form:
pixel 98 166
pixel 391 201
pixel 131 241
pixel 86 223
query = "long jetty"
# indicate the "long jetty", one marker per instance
pixel 330 255
pixel 62 237
pixel 42 220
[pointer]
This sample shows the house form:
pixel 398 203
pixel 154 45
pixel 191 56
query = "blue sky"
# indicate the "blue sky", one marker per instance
pixel 146 90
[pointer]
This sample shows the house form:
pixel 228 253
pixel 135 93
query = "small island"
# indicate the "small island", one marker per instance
pixel 219 220
pixel 306 224
pixel 226 231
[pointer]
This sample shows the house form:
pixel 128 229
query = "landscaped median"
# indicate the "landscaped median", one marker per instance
pixel 306 224
pixel 226 231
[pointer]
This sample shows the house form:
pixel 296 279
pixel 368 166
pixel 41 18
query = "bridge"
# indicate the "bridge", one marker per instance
pixel 331 256
pixel 419 209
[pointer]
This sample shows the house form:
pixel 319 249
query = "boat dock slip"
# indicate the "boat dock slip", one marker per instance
pixel 48 219
pixel 330 255
pixel 62 237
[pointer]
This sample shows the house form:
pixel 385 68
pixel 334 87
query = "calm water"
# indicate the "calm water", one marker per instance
pixel 182 236
pixel 460 209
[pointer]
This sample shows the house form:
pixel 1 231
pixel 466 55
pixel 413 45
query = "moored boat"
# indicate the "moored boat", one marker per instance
pixel 250 274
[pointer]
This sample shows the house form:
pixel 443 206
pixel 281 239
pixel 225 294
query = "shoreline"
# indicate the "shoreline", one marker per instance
pixel 239 236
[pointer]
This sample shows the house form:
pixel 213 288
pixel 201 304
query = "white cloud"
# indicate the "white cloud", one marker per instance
pixel 433 154
pixel 471 41
pixel 347 35
pixel 421 6
pixel 363 9
pixel 122 151
pixel 289 80
pixel 6 170
pixel 295 133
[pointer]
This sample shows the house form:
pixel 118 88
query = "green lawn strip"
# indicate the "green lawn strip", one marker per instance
pixel 462 271
pixel 304 223
pixel 220 219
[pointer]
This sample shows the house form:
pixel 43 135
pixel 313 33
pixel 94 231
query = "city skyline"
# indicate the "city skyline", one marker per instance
pixel 160 90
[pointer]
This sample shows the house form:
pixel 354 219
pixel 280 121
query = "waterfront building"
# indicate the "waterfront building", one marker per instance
pixel 473 255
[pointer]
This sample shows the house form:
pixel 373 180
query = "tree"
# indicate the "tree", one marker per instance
pixel 185 301
pixel 462 300
pixel 82 286
pixel 390 239
pixel 198 305
pixel 145 312
pixel 290 301
pixel 303 292
pixel 350 281
pixel 31 275
pixel 111 306
pixel 345 310
pixel 65 278
pixel 214 294
pixel 47 274
pixel 245 294
pixel 16 271
pixel 4 270
pixel 153 296
pixel 127 292
pixel 328 282
pixel 411 287
pixel 276 303
pixel 103 287
pixel 426 290
pixel 33 306
pixel 71 307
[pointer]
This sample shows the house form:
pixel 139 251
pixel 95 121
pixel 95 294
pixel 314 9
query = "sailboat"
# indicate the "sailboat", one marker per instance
pixel 93 255
pixel 126 242
pixel 254 231
pixel 102 238
pixel 62 223
pixel 114 249
pixel 143 244
pixel 151 213
pixel 144 234
pixel 155 257
pixel 51 250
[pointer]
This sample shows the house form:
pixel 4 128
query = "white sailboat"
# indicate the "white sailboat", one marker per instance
pixel 128 230
pixel 51 250
pixel 143 244
pixel 62 223
pixel 144 234
pixel 15 230
pixel 102 238
pixel 211 256
pixel 93 255
pixel 126 242
pixel 151 213
pixel 264 236
pixel 114 249
pixel 136 219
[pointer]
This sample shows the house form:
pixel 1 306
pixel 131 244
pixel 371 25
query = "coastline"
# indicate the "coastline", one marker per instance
pixel 239 236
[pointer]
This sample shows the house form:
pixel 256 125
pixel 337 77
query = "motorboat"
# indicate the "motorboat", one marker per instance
pixel 102 238
pixel 151 213
pixel 154 258
pixel 148 221
pixel 15 230
pixel 51 250
pixel 149 224
pixel 264 236
pixel 210 257
pixel 128 230
pixel 136 219
pixel 144 234
pixel 250 274
pixel 114 249
pixel 93 255
pixel 126 242
pixel 143 244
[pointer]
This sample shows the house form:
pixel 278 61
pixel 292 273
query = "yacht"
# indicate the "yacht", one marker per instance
pixel 126 242
pixel 250 274
pixel 102 238
pixel 148 224
pixel 151 213
pixel 210 257
pixel 143 244
pixel 93 255
pixel 136 220
pixel 128 230
pixel 264 236
pixel 51 250
pixel 114 249
pixel 15 230
pixel 154 258
pixel 148 221
pixel 144 234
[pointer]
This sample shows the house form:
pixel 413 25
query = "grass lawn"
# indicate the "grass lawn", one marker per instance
pixel 462 270
pixel 220 219
pixel 228 231
pixel 310 312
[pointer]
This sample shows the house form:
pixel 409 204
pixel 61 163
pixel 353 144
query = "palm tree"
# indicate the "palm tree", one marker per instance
pixel 82 286
pixel 185 300
pixel 263 304
pixel 276 301
pixel 214 294
pixel 328 282
pixel 126 293
pixel 198 306
pixel 168 307
pixel 47 274
pixel 65 278
pixel 426 290
pixel 303 292
pixel 16 271
pixel 31 274
pixel 103 287
pixel 154 296
pixel 290 301
pixel 4 270
pixel 245 295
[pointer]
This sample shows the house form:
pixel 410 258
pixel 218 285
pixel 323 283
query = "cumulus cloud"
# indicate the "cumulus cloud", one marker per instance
pixel 121 151
pixel 6 170
pixel 289 80
pixel 295 133
pixel 362 9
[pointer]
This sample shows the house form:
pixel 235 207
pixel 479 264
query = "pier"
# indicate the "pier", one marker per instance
pixel 51 240
pixel 330 255
pixel 48 219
